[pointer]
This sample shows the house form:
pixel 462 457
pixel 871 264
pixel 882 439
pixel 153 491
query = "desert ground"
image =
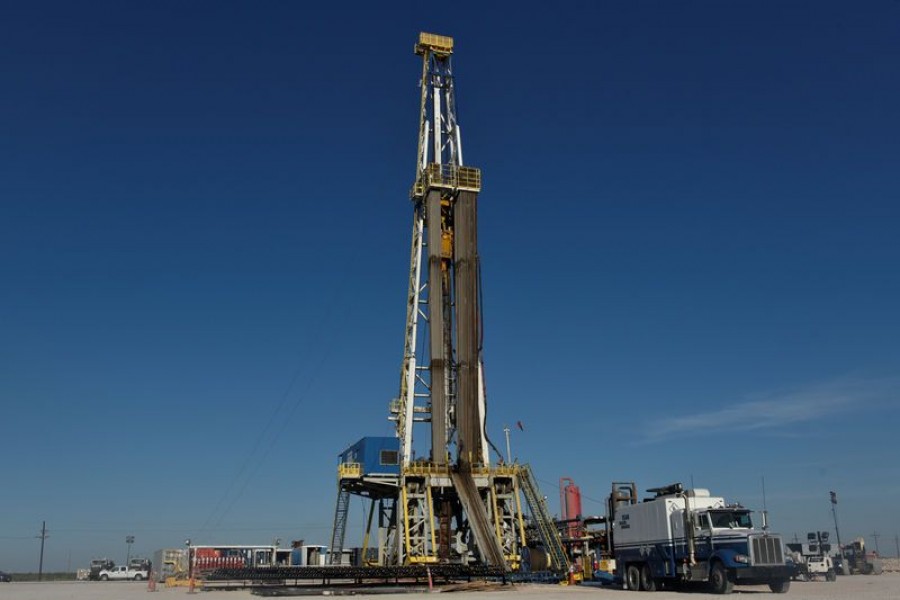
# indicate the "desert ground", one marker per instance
pixel 885 587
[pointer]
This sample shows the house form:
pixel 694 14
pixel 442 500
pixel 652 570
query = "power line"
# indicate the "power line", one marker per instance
pixel 247 471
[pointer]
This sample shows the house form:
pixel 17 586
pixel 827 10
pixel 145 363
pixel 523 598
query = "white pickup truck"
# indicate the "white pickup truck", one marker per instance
pixel 122 573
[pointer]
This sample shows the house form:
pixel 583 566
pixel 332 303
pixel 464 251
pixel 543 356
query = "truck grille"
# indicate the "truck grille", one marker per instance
pixel 766 550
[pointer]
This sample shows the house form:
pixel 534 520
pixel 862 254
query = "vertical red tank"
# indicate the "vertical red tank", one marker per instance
pixel 570 503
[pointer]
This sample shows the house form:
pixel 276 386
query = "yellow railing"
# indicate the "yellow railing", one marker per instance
pixel 427 468
pixel 447 177
pixel 510 470
pixel 349 471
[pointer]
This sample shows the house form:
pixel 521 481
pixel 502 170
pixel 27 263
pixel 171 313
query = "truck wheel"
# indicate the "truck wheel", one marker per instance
pixel 780 587
pixel 138 577
pixel 633 578
pixel 648 584
pixel 719 582
pixel 830 575
pixel 104 577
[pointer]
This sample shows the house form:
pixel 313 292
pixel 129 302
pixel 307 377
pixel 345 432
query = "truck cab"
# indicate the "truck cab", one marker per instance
pixel 97 565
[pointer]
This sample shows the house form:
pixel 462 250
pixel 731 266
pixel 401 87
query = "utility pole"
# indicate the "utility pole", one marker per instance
pixel 876 535
pixel 129 540
pixel 43 535
pixel 834 514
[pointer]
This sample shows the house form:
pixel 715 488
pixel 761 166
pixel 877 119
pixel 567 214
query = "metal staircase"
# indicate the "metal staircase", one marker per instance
pixel 543 520
pixel 341 508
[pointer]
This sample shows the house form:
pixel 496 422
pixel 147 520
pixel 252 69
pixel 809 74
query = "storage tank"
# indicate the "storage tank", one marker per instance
pixel 570 504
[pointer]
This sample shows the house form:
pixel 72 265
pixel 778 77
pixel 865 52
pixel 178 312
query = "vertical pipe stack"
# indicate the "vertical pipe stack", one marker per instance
pixel 466 287
pixel 439 360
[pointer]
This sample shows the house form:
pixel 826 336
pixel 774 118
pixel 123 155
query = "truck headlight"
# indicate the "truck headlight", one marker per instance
pixel 742 558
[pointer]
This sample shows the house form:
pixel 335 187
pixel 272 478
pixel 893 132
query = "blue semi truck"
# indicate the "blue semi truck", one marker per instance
pixel 682 535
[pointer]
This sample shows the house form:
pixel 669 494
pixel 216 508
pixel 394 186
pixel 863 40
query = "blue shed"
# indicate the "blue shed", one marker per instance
pixel 376 455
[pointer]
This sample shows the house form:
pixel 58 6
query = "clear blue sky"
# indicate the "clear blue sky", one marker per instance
pixel 690 235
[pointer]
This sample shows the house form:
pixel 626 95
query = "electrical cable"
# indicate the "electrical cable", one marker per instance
pixel 481 355
pixel 214 517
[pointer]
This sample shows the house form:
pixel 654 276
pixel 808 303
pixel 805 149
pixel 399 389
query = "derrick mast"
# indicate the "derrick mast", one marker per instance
pixel 444 513
pixel 442 382
pixel 441 501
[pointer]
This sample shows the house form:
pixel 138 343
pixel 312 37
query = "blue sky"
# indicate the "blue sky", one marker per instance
pixel 689 240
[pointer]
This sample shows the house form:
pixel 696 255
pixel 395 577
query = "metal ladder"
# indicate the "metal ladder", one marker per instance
pixel 340 526
pixel 543 520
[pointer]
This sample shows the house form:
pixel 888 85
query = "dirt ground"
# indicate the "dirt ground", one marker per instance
pixel 885 587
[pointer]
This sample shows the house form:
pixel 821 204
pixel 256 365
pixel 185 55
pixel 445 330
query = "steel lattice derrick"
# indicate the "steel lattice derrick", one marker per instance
pixel 443 186
pixel 450 508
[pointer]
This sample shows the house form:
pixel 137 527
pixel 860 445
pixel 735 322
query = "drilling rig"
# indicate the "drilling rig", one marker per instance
pixel 442 502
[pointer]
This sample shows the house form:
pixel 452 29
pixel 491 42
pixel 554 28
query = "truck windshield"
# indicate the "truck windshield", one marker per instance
pixel 733 519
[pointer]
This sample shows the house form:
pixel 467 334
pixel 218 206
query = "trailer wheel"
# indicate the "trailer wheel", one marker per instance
pixel 719 582
pixel 780 587
pixel 648 584
pixel 633 578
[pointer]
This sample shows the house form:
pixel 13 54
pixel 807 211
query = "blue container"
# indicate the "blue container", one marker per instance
pixel 376 455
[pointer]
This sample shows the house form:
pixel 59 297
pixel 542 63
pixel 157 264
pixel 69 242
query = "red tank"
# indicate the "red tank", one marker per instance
pixel 569 504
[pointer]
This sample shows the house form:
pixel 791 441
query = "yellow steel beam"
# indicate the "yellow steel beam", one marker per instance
pixel 431 518
pixel 405 518
pixel 519 510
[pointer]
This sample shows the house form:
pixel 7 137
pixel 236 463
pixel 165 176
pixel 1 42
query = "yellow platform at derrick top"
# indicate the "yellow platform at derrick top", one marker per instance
pixel 440 44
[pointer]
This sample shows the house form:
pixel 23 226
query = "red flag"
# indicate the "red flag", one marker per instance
pixel 520 426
